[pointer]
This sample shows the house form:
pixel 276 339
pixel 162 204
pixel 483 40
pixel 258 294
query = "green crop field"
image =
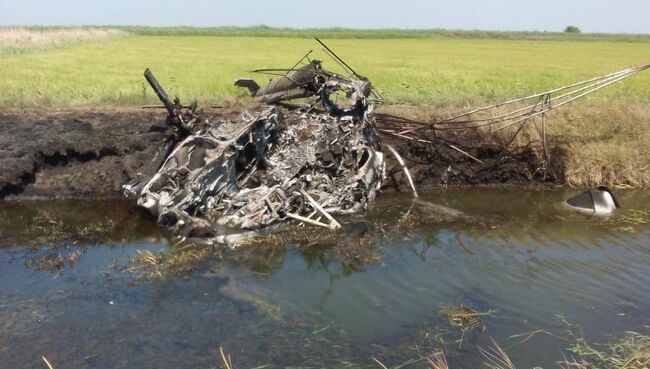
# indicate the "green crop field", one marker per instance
pixel 419 70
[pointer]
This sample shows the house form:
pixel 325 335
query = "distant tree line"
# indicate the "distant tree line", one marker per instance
pixel 572 29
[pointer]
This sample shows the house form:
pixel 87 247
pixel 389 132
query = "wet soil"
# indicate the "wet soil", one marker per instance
pixel 76 153
pixel 84 153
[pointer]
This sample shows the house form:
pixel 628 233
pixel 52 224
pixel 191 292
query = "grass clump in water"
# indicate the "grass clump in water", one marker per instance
pixel 632 351
pixel 53 262
pixel 465 318
pixel 178 260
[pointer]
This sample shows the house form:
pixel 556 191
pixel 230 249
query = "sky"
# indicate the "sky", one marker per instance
pixel 612 16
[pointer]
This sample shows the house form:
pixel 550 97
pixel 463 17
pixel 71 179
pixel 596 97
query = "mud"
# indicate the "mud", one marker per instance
pixel 75 153
pixel 92 153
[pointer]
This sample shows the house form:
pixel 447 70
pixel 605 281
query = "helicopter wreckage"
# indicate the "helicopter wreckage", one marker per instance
pixel 223 181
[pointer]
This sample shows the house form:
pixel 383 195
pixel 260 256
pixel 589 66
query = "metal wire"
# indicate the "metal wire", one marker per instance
pixel 518 115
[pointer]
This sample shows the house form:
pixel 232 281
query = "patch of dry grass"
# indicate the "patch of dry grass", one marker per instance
pixel 465 318
pixel 438 361
pixel 608 143
pixel 17 40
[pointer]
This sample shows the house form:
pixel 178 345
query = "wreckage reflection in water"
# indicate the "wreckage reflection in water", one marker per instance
pixel 305 305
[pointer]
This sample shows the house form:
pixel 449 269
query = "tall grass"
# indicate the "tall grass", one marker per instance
pixel 18 40
pixel 608 143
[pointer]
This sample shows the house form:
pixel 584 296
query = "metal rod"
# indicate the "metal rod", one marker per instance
pixel 333 223
pixel 160 92
pixel 451 146
pixel 495 120
pixel 307 220
pixel 345 65
pixel 503 116
pixel 301 59
pixel 404 168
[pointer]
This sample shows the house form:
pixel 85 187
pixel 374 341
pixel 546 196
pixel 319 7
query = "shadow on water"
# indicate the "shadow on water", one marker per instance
pixel 316 299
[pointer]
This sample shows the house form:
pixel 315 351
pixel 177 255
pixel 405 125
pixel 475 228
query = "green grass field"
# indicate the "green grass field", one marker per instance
pixel 432 71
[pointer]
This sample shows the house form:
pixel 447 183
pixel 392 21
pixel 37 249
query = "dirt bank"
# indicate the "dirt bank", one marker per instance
pixel 90 154
pixel 75 153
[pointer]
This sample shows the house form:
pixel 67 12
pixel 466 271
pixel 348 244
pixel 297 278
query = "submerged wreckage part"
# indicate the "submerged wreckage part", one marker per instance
pixel 599 201
pixel 225 180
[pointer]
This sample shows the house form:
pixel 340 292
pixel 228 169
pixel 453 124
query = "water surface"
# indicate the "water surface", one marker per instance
pixel 336 302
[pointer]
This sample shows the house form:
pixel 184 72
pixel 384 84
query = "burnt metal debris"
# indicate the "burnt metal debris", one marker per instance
pixel 220 181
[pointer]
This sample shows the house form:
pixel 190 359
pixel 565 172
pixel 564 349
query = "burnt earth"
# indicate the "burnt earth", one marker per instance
pixel 91 154
pixel 76 153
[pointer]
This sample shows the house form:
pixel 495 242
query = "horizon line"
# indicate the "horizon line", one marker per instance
pixel 334 28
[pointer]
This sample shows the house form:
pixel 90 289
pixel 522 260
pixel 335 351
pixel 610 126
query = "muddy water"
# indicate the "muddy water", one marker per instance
pixel 546 276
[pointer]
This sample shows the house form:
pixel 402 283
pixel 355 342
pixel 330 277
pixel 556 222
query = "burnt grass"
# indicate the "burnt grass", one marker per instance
pixel 92 153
